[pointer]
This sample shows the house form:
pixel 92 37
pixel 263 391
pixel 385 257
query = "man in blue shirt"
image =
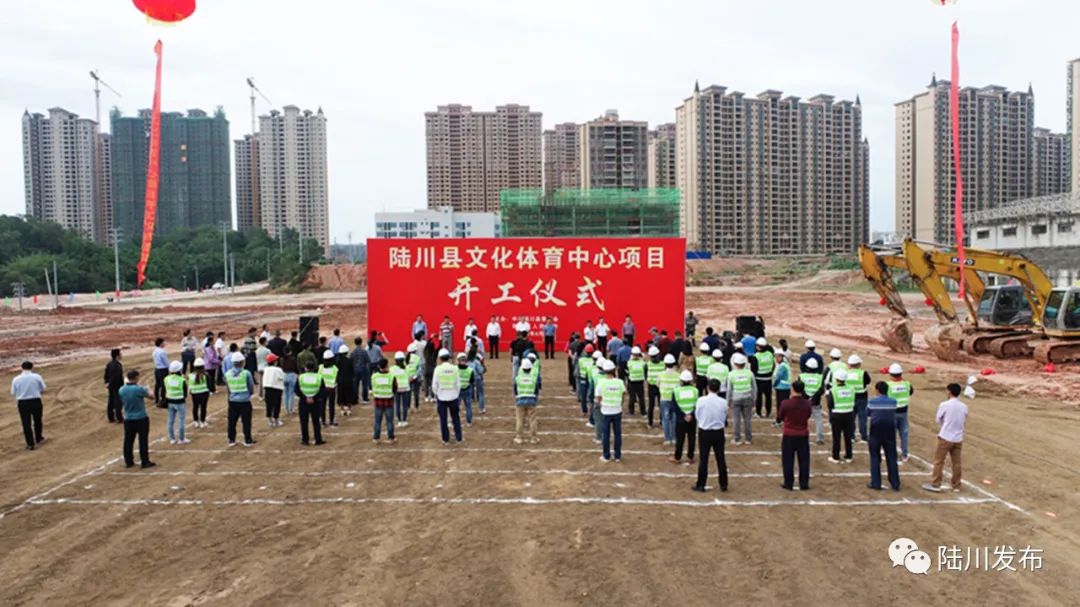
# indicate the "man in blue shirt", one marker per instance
pixel 810 354
pixel 749 345
pixel 161 369
pixel 136 421
pixel 335 343
pixel 549 338
pixel 614 344
pixel 27 388
pixel 419 326
pixel 882 410
pixel 622 356
pixel 241 386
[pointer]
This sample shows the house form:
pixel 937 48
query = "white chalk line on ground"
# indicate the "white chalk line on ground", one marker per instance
pixel 454 471
pixel 976 488
pixel 525 501
pixel 484 431
pixel 390 449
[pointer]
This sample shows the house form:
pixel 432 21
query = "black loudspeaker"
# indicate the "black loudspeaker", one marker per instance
pixel 309 330
pixel 750 325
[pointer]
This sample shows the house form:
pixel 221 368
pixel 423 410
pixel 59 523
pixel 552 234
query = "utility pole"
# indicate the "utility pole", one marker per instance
pixel 19 291
pixel 48 284
pixel 56 285
pixel 232 260
pixel 225 250
pixel 197 287
pixel 116 259
pixel 300 237
pixel 268 265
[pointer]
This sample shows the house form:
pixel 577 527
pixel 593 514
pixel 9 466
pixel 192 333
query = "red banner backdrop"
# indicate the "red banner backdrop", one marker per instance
pixel 152 172
pixel 572 280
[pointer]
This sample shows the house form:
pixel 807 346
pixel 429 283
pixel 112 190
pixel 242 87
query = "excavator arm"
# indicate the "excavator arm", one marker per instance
pixel 875 268
pixel 1037 286
pixel 925 274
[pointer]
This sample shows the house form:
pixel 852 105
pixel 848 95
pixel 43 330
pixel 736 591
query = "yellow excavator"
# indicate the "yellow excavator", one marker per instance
pixel 1061 324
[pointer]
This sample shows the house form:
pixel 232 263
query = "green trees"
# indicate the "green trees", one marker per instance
pixel 28 247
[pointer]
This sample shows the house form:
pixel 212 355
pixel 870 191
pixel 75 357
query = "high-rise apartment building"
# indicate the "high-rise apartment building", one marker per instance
pixel 1072 117
pixel 248 211
pixel 60 170
pixel 292 168
pixel 561 157
pixel 472 156
pixel 614 153
pixel 661 164
pixel 194 174
pixel 996 151
pixel 1050 162
pixel 771 175
pixel 104 205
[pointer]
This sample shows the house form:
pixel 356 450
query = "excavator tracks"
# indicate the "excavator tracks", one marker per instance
pixel 1058 351
pixel 1012 346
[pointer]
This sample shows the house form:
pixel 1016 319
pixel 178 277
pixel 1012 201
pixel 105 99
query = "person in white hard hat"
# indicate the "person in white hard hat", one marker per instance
pixel 347 396
pixel 669 380
pixel 901 391
pixel 241 386
pixel 701 366
pixel 597 374
pixel 329 372
pixel 841 416
pixel 467 381
pixel 635 379
pixel 859 379
pixel 763 364
pixel 446 383
pixel 686 397
pixel 610 392
pixel 742 393
pixel 176 400
pixel 813 382
pixel 399 373
pixel 653 369
pixel 527 386
pixel 199 382
pixel 836 364
pixel 811 354
pixel 476 361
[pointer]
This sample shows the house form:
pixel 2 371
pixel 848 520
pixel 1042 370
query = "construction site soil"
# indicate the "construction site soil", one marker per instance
pixel 494 523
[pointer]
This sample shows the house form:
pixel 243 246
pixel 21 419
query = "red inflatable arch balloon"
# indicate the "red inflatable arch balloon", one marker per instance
pixel 167 11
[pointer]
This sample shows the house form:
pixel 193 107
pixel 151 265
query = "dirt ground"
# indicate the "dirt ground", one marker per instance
pixel 488 522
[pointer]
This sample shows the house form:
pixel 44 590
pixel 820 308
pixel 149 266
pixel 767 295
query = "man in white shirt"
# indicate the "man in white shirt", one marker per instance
pixel 27 388
pixel 523 325
pixel 711 415
pixel 951 415
pixel 446 383
pixel 589 332
pixel 468 333
pixel 494 332
pixel 602 331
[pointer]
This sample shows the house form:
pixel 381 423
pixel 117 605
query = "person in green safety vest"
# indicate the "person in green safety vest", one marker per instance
pixel 176 400
pixel 702 362
pixel 859 379
pixel 414 370
pixel 812 380
pixel 718 371
pixel 241 386
pixel 384 391
pixel 311 392
pixel 526 398
pixel 595 376
pixel 467 380
pixel 653 369
pixel 901 390
pixel 199 382
pixel 686 397
pixel 610 392
pixel 742 393
pixel 401 390
pixel 636 370
pixel 329 372
pixel 668 381
pixel 835 365
pixel 585 362
pixel 446 384
pixel 842 415
pixel 763 363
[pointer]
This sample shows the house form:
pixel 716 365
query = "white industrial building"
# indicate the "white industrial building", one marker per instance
pixel 1045 228
pixel 443 222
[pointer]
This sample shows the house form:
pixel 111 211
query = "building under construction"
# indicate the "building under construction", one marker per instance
pixel 605 212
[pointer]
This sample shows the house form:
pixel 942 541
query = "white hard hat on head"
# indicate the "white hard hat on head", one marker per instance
pixel 411 348
pixel 718 353
pixel 779 355
pixel 200 362
pixel 854 360
pixel 237 357
pixel 526 364
pixel 835 353
pixel 686 375
pixel 461 356
pixel 176 366
pixel 609 365
pixel 738 345
pixel 704 347
pixel 810 343
pixel 532 355
pixel 399 355
pixel 669 359
pixel 444 353
pixel 896 369
pixel 738 359
pixel 812 363
pixel 343 349
pixel 761 341
pixel 328 355
pixel 598 354
pixel 841 375
pixel 635 351
pixel 654 351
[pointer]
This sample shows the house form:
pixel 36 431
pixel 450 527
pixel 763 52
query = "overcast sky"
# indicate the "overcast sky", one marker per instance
pixel 376 66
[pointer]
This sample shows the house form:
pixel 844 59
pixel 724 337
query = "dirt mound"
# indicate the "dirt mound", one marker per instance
pixel 337 277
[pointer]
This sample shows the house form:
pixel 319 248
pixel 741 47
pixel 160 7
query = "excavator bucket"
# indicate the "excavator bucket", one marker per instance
pixel 897 331
pixel 944 340
pixel 897 335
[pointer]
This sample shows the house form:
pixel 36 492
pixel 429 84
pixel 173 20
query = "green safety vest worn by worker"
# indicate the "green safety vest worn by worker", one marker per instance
pixel 635 369
pixel 174 387
pixel 901 392
pixel 843 399
pixel 595 375
pixel 329 376
pixel 765 363
pixel 686 398
pixel 655 369
pixel 719 372
pixel 465 373
pixel 856 380
pixel 835 367
pixel 198 387
pixel 412 366
pixel 742 381
pixel 611 391
pixel 446 373
pixel 402 377
pixel 702 363
pixel 585 365
pixel 310 383
pixel 669 380
pixel 526 383
pixel 237 382
pixel 382 385
pixel 811 382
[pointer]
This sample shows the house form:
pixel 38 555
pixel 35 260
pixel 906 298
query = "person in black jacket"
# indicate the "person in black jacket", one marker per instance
pixel 114 380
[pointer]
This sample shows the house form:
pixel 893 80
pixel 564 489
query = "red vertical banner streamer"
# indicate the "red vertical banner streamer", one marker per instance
pixel 954 108
pixel 152 172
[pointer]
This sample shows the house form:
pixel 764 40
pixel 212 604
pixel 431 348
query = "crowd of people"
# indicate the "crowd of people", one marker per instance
pixel 693 390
